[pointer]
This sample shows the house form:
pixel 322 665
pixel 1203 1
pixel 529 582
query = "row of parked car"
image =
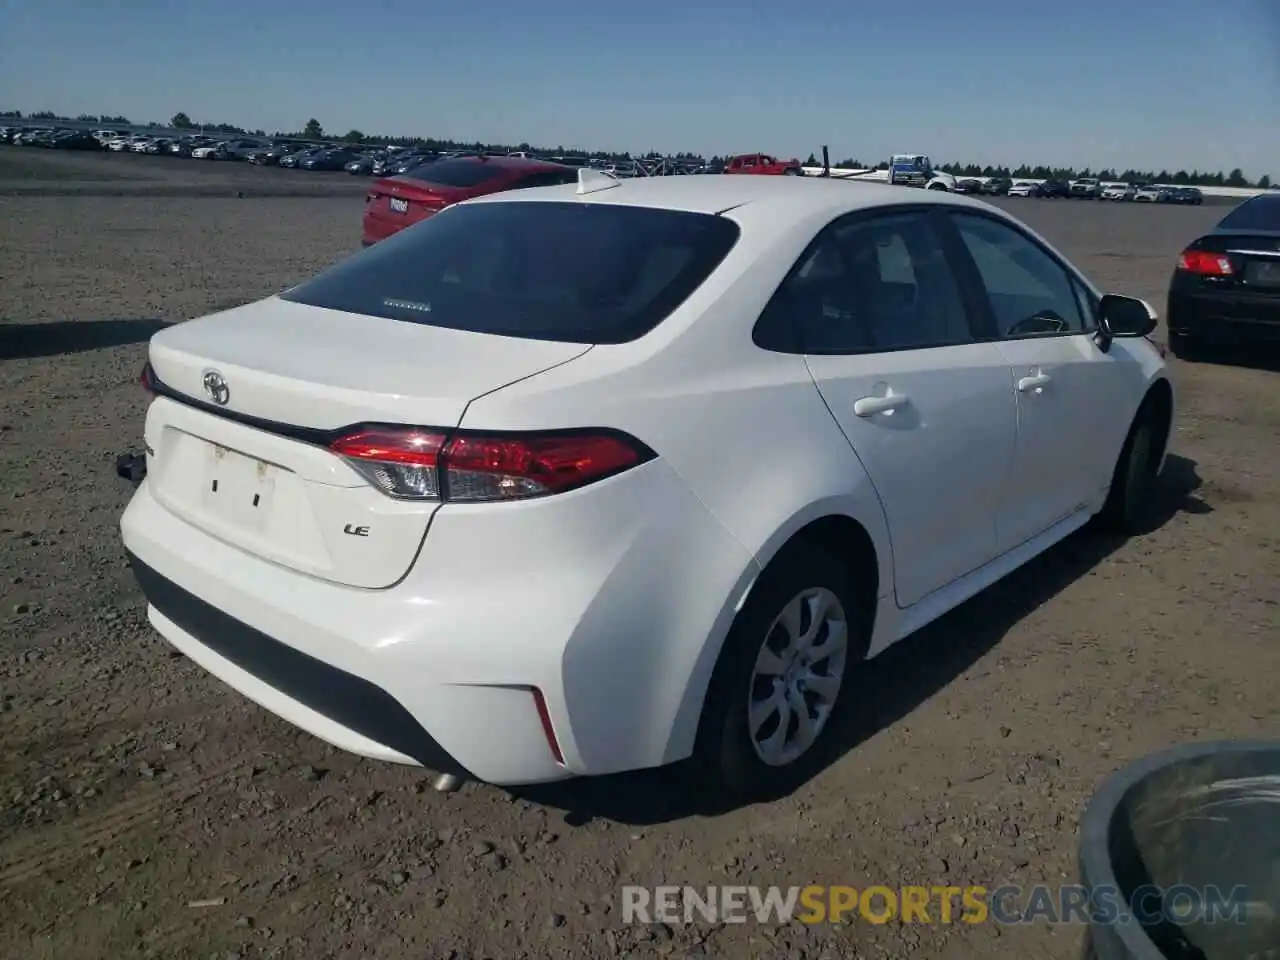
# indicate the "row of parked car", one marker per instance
pixel 387 161
pixel 1082 188
pixel 375 161
pixel 50 137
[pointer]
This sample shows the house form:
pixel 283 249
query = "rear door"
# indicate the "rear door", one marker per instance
pixel 1074 400
pixel 928 410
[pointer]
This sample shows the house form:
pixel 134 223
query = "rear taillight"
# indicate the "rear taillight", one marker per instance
pixel 147 379
pixel 426 464
pixel 1205 264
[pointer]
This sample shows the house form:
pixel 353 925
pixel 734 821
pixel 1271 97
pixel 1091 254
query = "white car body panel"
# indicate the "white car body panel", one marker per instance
pixel 959 400
pixel 1061 437
pixel 613 600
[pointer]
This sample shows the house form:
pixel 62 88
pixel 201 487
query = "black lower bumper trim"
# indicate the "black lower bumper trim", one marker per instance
pixel 351 701
pixel 131 467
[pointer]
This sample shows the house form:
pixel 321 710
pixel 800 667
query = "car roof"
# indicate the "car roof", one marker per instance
pixel 793 197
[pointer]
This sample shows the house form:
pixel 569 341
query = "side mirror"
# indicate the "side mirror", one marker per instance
pixel 1124 317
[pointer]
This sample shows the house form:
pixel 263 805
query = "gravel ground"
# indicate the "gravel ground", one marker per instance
pixel 147 810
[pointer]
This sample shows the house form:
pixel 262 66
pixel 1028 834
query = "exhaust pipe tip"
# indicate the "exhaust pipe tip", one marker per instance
pixel 447 783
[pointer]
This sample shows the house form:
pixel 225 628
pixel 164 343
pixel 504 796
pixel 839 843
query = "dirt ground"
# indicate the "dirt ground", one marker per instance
pixel 147 810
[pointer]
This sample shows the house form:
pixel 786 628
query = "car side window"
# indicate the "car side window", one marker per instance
pixel 875 285
pixel 1030 293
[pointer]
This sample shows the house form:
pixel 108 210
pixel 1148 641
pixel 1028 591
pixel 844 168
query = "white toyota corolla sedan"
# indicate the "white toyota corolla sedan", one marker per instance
pixel 577 480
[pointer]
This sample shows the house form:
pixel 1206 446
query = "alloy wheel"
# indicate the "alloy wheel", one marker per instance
pixel 797 676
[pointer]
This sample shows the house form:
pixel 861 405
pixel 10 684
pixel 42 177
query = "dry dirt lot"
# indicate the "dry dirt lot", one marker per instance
pixel 134 787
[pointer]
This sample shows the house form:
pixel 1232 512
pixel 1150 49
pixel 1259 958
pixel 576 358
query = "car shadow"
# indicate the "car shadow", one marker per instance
pixel 21 341
pixel 893 684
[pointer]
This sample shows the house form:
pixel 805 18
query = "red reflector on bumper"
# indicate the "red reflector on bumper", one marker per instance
pixel 544 716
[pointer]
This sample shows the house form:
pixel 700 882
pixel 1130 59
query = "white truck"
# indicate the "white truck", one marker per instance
pixel 1085 188
pixel 916 170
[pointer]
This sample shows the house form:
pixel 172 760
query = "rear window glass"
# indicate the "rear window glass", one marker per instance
pixel 570 272
pixel 1260 213
pixel 456 173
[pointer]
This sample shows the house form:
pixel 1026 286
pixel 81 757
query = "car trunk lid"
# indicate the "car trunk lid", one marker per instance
pixel 405 195
pixel 249 399
pixel 1245 262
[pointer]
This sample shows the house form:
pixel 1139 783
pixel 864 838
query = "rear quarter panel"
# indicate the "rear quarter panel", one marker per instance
pixel 744 428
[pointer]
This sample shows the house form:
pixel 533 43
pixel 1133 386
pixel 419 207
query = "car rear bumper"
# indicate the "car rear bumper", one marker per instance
pixel 1224 318
pixel 340 707
pixel 609 602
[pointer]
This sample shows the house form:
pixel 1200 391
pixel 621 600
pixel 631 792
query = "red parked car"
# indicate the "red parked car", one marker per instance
pixel 403 200
pixel 763 165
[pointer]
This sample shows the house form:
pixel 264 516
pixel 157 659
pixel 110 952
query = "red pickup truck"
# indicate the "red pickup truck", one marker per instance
pixel 761 164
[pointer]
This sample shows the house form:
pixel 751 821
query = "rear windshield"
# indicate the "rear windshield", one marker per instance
pixel 570 272
pixel 1260 213
pixel 456 173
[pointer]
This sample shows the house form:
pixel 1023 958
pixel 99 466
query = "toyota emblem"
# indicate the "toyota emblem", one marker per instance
pixel 215 388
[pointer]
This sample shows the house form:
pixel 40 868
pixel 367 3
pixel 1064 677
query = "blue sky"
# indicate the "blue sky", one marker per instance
pixel 1170 83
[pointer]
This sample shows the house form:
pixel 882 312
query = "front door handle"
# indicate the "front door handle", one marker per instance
pixel 1027 384
pixel 870 406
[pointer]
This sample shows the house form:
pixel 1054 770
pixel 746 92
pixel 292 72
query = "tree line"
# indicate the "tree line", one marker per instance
pixel 313 130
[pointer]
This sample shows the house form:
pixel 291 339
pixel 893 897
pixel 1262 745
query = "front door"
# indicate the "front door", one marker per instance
pixel 1071 411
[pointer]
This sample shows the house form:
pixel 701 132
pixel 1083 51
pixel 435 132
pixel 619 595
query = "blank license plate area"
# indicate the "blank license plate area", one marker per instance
pixel 399 206
pixel 1263 273
pixel 238 489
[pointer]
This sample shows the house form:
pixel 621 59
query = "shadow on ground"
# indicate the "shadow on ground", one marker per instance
pixel 20 341
pixel 894 683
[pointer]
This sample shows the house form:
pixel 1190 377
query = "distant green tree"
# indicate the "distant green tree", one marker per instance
pixel 181 121
pixel 354 136
pixel 1264 182
pixel 1236 178
pixel 313 130
pixel 11 114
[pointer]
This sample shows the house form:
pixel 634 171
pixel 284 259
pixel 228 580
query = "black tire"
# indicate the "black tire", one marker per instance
pixel 1136 475
pixel 725 757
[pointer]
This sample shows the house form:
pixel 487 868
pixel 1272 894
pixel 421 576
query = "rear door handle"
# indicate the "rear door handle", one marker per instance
pixel 870 406
pixel 1027 384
